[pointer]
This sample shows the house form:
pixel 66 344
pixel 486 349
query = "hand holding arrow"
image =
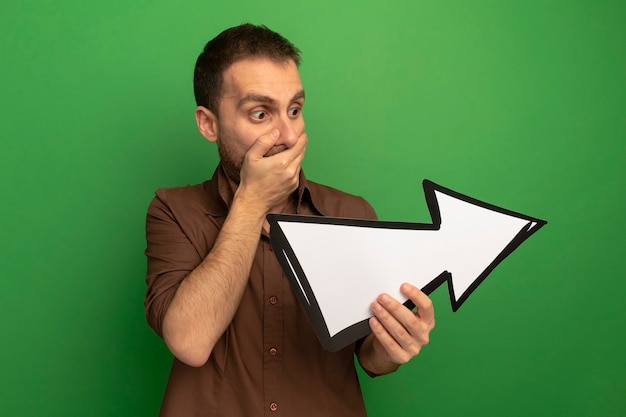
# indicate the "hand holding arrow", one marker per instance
pixel 338 266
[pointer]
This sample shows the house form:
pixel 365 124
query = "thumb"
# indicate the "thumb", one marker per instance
pixel 263 144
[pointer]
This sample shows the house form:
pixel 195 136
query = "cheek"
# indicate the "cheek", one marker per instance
pixel 241 138
pixel 251 135
pixel 299 126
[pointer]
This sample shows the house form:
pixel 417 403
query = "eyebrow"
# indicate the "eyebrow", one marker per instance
pixel 261 98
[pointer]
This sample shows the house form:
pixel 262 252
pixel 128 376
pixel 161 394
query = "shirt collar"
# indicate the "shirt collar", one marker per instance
pixel 219 186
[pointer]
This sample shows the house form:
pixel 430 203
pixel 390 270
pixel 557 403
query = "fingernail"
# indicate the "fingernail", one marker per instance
pixel 384 298
pixel 274 133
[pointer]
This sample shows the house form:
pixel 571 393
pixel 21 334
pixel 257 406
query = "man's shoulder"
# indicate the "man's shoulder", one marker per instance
pixel 326 191
pixel 182 193
pixel 333 202
pixel 196 197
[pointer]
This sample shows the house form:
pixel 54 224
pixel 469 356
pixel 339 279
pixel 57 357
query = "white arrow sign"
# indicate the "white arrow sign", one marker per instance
pixel 337 267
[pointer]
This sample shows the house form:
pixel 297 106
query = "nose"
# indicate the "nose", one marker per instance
pixel 289 130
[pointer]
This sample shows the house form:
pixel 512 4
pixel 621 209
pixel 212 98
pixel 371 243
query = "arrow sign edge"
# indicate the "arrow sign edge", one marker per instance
pixel 290 264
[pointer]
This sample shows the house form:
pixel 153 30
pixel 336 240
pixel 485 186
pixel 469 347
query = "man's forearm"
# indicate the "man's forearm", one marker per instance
pixel 207 299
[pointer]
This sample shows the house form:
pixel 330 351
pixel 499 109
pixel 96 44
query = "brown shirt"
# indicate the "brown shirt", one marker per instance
pixel 268 361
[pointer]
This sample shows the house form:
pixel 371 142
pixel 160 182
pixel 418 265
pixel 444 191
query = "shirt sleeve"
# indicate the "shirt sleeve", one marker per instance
pixel 369 212
pixel 171 256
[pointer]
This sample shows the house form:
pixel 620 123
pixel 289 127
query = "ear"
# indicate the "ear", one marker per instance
pixel 207 123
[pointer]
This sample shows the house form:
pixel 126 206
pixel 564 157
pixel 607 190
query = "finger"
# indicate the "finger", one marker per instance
pixel 290 160
pixel 263 144
pixel 406 326
pixel 296 152
pixel 300 149
pixel 398 320
pixel 394 350
pixel 396 309
pixel 424 304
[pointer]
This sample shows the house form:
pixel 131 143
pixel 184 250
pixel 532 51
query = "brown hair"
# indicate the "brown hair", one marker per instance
pixel 234 44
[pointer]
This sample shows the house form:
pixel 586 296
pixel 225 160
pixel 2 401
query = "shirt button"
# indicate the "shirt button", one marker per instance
pixel 273 406
pixel 273 351
pixel 273 299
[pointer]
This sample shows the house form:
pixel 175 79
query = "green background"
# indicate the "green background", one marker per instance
pixel 521 104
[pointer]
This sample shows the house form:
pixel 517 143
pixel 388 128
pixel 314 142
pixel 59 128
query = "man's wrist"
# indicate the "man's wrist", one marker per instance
pixel 244 204
pixel 371 361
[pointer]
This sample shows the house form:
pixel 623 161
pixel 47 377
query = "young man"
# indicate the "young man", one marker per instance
pixel 215 290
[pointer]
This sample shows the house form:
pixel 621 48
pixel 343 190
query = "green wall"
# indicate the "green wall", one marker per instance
pixel 521 104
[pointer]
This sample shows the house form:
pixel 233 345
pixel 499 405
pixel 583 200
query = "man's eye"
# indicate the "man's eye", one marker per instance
pixel 259 115
pixel 294 111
